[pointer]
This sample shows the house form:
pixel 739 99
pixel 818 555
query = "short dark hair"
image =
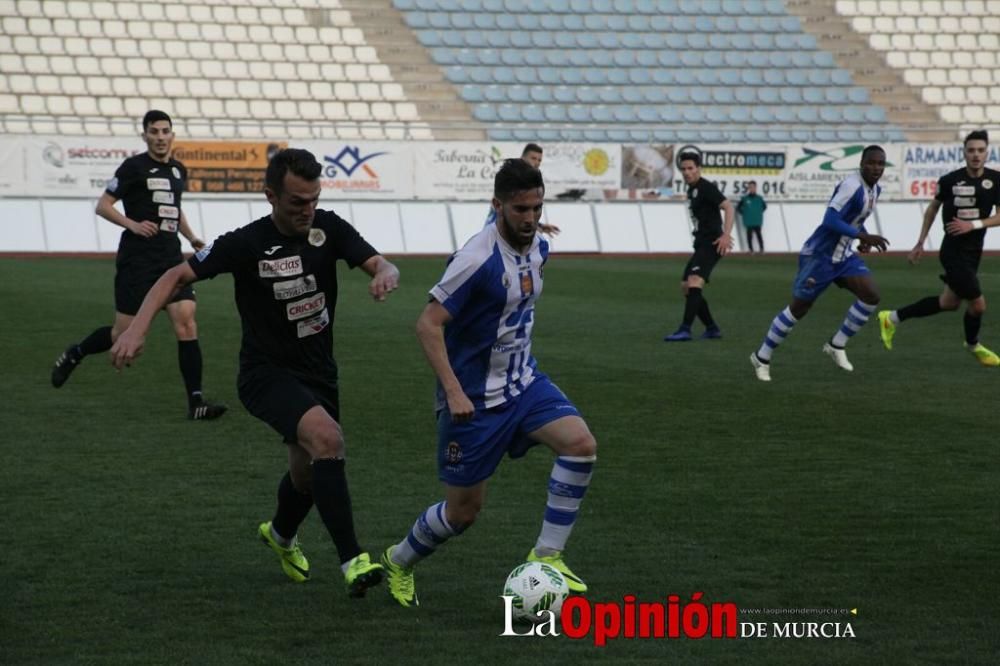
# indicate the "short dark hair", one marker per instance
pixel 977 135
pixel 300 162
pixel 870 149
pixel 752 182
pixel 515 176
pixel 690 157
pixel 155 116
pixel 531 148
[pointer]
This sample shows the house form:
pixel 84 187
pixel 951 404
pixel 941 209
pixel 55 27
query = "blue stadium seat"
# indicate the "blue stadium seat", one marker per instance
pixel 774 77
pixel 823 59
pixel 647 114
pixel 831 114
pixel 841 77
pixel 854 115
pixel 758 60
pixel 825 135
pixel 495 94
pixel 458 74
pixel 533 113
pixel 716 114
pixel 502 74
pixel 512 57
pixel 768 95
pixel 723 95
pixel 543 40
pixel 797 77
pixel 587 95
pixel 429 38
pixel 808 114
pixel 564 94
pixel 746 95
pixel 443 56
pixel 439 20
pixel 701 95
pixel 510 113
pixel 472 93
pixel 752 77
pixel 790 95
pixel 740 114
pixel 573 22
pixel 763 41
pixel 813 95
pixel 785 114
pixel 780 59
pixel 518 93
pixel 404 5
pixel 736 59
pixel 640 76
pixel 876 114
pixel 485 113
pixel 729 77
pixel 555 113
pixel 820 77
pixel 541 94
pixel 762 114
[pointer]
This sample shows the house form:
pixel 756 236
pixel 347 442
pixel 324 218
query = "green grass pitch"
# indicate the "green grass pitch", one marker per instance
pixel 128 533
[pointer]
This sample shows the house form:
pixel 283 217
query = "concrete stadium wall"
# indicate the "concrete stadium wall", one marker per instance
pixel 407 227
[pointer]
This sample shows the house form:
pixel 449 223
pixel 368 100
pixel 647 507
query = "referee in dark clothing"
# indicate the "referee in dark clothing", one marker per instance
pixel 969 197
pixel 149 186
pixel 712 241
pixel 285 281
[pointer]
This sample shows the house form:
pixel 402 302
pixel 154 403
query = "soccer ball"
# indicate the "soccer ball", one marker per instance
pixel 535 586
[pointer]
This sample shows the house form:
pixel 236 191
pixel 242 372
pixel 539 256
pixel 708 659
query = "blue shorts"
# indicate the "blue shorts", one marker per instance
pixel 816 273
pixel 470 452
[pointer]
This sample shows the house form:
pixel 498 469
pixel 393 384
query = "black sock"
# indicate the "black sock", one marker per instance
pixel 691 306
pixel 293 507
pixel 925 307
pixel 704 316
pixel 333 501
pixel 189 358
pixel 97 342
pixel 972 324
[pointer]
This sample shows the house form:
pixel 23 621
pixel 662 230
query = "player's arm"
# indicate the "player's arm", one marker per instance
pixel 958 227
pixel 129 344
pixel 106 209
pixel 384 274
pixel 929 214
pixel 430 332
pixel 724 243
pixel 185 229
pixel 834 221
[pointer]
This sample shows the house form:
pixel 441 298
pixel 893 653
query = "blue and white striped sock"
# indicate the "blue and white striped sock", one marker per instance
pixel 857 316
pixel 781 326
pixel 430 531
pixel 567 486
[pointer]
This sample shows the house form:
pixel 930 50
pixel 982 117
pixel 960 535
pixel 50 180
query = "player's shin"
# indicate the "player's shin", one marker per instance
pixel 568 484
pixel 333 501
pixel 430 530
pixel 857 316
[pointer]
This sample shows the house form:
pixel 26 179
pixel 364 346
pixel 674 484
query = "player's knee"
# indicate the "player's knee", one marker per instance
pixel 948 304
pixel 871 298
pixel 326 442
pixel 186 330
pixel 977 308
pixel 582 446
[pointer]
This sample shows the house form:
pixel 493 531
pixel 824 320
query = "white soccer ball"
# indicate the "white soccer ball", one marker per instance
pixel 535 586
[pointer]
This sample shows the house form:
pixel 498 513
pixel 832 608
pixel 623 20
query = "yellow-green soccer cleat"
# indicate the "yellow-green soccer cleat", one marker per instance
pixel 575 583
pixel 361 574
pixel 400 580
pixel 984 355
pixel 886 329
pixel 293 562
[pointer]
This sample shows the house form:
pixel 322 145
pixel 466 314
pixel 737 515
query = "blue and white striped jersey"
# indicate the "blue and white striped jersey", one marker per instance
pixel 490 291
pixel 852 202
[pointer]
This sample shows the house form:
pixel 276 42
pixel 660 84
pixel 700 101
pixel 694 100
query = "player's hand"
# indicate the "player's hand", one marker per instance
pixel 864 248
pixel 146 229
pixel 958 227
pixel 196 244
pixel 549 229
pixel 723 244
pixel 126 349
pixel 385 281
pixel 914 255
pixel 460 407
pixel 874 241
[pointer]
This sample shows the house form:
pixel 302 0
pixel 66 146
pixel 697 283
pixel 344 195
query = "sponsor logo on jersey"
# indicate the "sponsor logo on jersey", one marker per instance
pixel 527 284
pixel 306 307
pixel 154 169
pixel 964 202
pixel 162 197
pixel 157 184
pixel 283 267
pixel 967 213
pixel 168 225
pixel 272 250
pixel 317 237
pixel 176 172
pixel 294 288
pixel 964 190
pixel 172 212
pixel 201 254
pixel 314 325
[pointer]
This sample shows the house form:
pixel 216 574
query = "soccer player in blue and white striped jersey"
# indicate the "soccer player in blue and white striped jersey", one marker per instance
pixel 492 399
pixel 827 258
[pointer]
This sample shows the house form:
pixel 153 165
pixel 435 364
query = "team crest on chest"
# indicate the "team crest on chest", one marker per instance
pixel 317 237
pixel 987 184
pixel 505 281
pixel 176 172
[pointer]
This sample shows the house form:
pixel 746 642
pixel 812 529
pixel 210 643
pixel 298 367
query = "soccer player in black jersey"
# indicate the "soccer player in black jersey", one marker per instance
pixel 712 241
pixel 969 196
pixel 285 280
pixel 149 186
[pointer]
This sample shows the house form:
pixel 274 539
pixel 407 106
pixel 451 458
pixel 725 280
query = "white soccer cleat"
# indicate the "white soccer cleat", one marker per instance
pixel 761 369
pixel 839 357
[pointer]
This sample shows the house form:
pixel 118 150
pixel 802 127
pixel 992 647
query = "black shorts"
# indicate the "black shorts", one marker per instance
pixel 961 266
pixel 280 398
pixel 132 284
pixel 702 262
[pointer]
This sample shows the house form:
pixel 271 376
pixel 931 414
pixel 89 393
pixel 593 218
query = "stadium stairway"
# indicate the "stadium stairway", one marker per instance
pixel 868 68
pixel 437 101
